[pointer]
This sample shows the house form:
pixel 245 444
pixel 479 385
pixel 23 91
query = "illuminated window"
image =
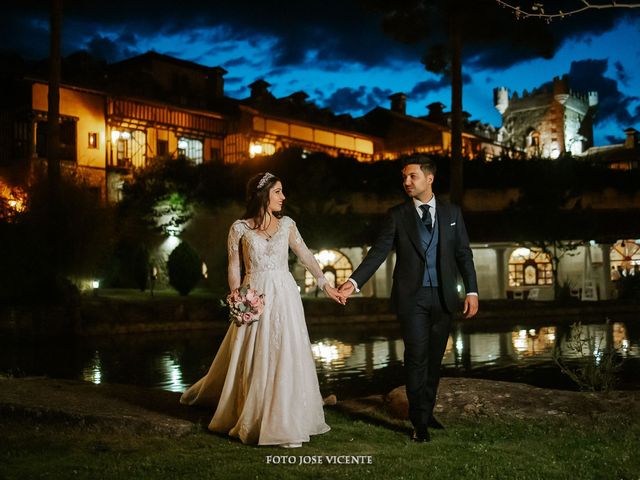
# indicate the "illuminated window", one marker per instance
pixel 529 267
pixel 93 140
pixel 257 149
pixel 625 259
pixel 335 266
pixel 129 148
pixel 190 149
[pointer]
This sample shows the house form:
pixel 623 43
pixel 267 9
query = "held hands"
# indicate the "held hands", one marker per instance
pixel 335 295
pixel 346 289
pixel 470 306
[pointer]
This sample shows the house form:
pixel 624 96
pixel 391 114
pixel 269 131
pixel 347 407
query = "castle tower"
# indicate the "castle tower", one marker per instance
pixel 547 124
pixel 501 99
pixel 561 89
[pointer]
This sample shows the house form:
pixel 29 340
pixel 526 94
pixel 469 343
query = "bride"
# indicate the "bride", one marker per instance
pixel 263 380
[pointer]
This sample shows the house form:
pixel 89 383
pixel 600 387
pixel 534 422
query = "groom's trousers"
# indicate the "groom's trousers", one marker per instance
pixel 425 332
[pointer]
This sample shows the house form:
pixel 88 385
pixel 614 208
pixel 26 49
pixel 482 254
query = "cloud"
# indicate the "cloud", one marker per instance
pixel 613 105
pixel 422 89
pixel 612 139
pixel 621 73
pixel 328 34
pixel 106 49
pixel 361 99
pixel 234 62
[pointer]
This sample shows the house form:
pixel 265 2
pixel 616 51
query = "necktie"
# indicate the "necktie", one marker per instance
pixel 426 217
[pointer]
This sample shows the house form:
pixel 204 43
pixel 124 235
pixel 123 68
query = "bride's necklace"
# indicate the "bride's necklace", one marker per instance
pixel 265 231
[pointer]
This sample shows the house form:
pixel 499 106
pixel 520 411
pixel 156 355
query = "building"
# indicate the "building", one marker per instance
pixel 549 122
pixel 404 134
pixel 620 156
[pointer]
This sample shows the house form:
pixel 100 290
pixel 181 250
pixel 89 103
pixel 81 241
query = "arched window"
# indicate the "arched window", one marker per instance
pixel 529 267
pixel 625 258
pixel 533 139
pixel 335 265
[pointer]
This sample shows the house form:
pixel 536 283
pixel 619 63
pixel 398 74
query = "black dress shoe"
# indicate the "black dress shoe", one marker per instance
pixel 434 423
pixel 421 436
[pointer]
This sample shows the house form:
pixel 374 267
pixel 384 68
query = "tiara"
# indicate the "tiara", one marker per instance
pixel 263 181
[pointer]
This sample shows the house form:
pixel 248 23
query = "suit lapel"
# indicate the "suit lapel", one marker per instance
pixel 444 222
pixel 409 217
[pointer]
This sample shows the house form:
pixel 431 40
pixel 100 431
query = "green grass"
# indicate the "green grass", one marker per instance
pixel 468 449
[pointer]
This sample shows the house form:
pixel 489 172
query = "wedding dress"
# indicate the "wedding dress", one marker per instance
pixel 263 380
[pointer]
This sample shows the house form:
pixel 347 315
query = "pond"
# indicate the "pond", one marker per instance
pixel 351 360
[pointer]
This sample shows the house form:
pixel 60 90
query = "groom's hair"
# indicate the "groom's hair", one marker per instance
pixel 427 164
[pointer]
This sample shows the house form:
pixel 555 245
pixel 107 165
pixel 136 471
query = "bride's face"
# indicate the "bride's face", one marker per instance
pixel 276 198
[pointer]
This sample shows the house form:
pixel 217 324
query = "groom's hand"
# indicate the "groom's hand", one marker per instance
pixel 470 306
pixel 346 288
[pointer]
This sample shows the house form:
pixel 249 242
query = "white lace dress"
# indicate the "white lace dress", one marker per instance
pixel 263 379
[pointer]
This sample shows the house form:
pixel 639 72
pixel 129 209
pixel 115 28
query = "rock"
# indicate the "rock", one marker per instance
pixel 330 400
pixel 397 404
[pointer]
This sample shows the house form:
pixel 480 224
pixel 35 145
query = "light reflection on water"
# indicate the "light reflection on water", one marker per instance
pixel 348 361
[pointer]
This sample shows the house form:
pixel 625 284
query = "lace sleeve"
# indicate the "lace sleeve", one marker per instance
pixel 305 256
pixel 233 251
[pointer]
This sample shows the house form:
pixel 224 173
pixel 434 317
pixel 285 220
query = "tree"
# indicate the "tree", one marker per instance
pixel 537 9
pixel 446 27
pixel 53 114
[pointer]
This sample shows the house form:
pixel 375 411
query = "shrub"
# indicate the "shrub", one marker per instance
pixel 595 367
pixel 185 268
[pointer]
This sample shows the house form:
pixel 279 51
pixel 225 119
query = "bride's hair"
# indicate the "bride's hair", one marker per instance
pixel 258 188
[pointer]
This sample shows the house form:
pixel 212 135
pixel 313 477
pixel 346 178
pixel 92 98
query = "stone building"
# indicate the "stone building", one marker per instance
pixel 548 122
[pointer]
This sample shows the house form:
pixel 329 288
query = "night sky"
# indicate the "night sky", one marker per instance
pixel 336 51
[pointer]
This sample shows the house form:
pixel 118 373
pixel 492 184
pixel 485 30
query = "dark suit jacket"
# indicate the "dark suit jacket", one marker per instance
pixel 400 230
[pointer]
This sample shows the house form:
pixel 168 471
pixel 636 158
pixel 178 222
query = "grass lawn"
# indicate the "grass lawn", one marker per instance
pixel 483 449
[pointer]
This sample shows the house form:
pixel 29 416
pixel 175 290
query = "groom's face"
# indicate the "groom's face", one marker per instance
pixel 416 182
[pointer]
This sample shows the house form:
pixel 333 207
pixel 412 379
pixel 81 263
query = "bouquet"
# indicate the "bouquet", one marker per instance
pixel 245 305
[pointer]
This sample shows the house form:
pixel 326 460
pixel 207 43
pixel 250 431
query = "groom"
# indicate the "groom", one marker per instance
pixel 432 246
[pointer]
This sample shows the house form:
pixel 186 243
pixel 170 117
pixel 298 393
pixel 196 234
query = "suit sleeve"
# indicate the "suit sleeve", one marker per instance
pixel 464 256
pixel 378 252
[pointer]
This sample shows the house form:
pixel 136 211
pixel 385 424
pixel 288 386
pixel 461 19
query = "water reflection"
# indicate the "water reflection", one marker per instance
pixel 93 371
pixel 349 360
pixel 172 373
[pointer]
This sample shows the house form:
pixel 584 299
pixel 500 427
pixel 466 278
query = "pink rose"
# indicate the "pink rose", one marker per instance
pixel 247 317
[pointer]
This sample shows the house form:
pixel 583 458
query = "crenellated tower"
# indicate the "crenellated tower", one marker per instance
pixel 549 121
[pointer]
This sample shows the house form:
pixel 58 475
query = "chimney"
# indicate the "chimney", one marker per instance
pixel 298 98
pixel 216 82
pixel 259 89
pixel 436 112
pixel 399 103
pixel 631 142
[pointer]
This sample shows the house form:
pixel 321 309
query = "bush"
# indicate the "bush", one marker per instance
pixel 595 367
pixel 185 268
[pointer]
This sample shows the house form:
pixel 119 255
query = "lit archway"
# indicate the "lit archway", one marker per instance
pixel 625 258
pixel 529 267
pixel 335 265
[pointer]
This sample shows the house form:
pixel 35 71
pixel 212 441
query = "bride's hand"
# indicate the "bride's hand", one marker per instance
pixel 334 294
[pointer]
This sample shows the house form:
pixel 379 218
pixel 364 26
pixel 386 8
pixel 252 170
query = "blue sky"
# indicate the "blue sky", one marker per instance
pixel 345 62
